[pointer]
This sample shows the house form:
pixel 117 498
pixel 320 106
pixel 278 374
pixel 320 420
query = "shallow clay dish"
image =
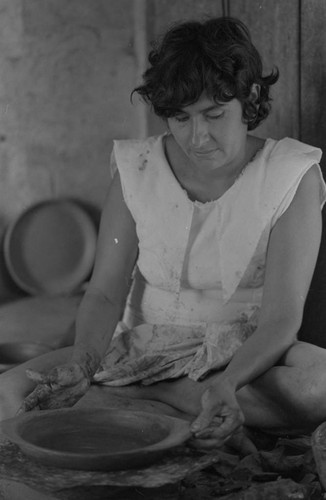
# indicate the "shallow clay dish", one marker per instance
pixel 95 438
pixel 15 353
pixel 50 248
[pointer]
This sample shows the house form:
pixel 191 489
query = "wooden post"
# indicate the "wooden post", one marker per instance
pixel 313 74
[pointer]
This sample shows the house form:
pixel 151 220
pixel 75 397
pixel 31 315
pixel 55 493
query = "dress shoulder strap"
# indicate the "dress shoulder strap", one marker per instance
pixel 266 190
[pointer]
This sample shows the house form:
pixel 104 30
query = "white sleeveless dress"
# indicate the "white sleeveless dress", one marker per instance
pixel 199 277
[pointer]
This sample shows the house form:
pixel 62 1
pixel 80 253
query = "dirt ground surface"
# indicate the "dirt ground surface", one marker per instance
pixel 282 468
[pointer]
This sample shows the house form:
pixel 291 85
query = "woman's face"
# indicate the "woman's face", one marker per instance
pixel 213 136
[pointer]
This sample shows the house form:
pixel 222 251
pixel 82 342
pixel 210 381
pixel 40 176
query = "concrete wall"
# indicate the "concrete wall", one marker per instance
pixel 66 71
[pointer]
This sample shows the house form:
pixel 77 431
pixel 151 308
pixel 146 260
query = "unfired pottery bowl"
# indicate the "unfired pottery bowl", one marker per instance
pixel 15 353
pixel 95 438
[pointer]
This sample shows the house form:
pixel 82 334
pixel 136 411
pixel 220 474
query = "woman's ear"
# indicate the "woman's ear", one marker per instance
pixel 252 106
pixel 254 93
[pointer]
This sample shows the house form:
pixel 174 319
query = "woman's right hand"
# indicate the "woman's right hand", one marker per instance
pixel 220 418
pixel 62 387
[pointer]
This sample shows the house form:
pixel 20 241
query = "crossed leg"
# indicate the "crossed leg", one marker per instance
pixel 289 396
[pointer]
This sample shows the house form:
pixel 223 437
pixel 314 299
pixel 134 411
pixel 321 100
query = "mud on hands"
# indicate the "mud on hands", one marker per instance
pixel 220 421
pixel 62 387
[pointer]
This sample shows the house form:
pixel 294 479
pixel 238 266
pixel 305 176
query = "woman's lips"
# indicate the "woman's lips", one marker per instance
pixel 204 152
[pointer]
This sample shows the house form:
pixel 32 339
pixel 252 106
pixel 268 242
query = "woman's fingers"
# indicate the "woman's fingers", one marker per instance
pixel 221 430
pixel 61 376
pixel 35 398
pixel 206 431
pixel 47 397
pixel 63 386
pixel 219 418
pixel 38 377
pixel 66 375
pixel 210 408
pixel 214 436
pixel 240 442
pixel 65 397
pixel 205 444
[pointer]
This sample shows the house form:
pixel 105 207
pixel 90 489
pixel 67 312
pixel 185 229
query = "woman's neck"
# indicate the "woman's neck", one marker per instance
pixel 202 185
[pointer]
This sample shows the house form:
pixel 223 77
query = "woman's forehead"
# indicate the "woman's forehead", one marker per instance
pixel 203 104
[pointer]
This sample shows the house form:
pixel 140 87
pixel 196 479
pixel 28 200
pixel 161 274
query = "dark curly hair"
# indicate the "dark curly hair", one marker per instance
pixel 215 56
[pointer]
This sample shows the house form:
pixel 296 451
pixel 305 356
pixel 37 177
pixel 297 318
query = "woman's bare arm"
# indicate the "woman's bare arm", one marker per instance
pixel 98 313
pixel 291 259
pixel 105 297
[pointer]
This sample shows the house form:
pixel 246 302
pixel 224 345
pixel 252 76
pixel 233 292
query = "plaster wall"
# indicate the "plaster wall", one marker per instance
pixel 67 68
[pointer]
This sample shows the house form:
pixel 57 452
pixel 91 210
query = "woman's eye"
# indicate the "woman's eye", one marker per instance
pixel 214 117
pixel 181 119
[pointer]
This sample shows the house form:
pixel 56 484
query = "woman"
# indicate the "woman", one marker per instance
pixel 208 241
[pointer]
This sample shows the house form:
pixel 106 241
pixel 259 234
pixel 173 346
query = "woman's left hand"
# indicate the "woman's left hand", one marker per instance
pixel 220 418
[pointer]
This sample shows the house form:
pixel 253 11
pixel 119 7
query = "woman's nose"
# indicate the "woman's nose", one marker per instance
pixel 199 133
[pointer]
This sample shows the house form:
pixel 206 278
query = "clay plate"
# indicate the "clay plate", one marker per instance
pixel 50 248
pixel 95 438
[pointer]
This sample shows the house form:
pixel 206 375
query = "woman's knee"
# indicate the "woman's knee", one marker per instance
pixel 304 393
pixel 286 396
pixel 304 355
pixel 315 392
